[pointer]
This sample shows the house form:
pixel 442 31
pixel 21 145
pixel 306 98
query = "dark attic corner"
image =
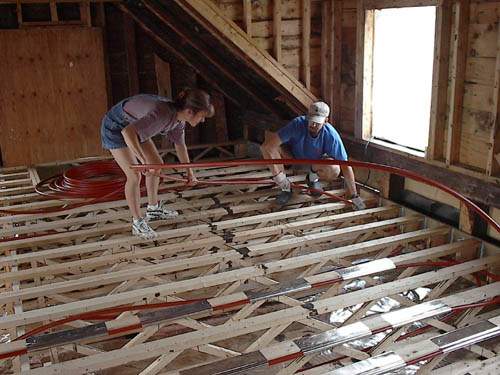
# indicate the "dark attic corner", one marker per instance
pixel 147 225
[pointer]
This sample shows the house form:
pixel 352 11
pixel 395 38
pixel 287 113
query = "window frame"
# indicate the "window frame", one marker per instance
pixel 364 78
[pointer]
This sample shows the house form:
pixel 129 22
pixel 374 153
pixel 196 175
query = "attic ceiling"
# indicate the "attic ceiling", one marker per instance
pixel 245 74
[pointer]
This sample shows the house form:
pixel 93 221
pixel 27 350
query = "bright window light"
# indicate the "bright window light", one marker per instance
pixel 402 75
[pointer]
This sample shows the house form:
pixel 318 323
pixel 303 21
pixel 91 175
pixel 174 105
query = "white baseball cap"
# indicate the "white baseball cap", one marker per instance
pixel 318 112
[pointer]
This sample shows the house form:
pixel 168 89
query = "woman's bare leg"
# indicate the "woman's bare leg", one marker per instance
pixel 125 158
pixel 152 182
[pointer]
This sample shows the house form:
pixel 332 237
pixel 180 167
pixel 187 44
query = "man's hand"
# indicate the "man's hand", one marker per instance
pixel 357 203
pixel 282 181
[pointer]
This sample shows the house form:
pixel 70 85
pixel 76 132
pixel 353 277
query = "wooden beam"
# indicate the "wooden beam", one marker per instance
pixel 325 50
pixel 369 42
pixel 247 17
pixel 458 64
pixel 360 48
pixel 277 30
pixel 335 70
pixel 220 116
pixel 382 4
pixel 208 14
pixel 213 61
pixel 53 11
pixel 166 39
pixel 493 160
pixel 85 13
pixel 440 82
pixel 131 54
pixel 306 41
pixel 163 81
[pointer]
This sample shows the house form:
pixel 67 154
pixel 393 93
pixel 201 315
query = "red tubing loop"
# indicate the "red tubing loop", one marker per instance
pixel 74 184
pixel 385 168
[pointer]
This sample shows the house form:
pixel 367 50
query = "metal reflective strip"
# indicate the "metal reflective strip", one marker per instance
pixel 235 365
pixel 367 268
pixel 466 336
pixel 65 337
pixel 372 366
pixel 332 337
pixel 279 290
pixel 415 313
pixel 172 313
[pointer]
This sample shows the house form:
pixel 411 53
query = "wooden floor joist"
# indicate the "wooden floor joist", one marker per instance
pixel 258 283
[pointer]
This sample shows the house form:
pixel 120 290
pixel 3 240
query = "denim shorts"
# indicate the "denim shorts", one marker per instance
pixel 112 125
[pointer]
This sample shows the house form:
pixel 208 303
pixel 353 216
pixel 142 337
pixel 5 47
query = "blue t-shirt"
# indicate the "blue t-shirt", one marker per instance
pixel 304 146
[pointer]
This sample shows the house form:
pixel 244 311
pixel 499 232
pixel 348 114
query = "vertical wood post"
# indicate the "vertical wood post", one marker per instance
pixel 164 86
pixel 85 13
pixel 369 31
pixel 247 16
pixel 53 11
pixel 220 116
pixel 440 82
pixel 360 43
pixel 460 38
pixel 493 161
pixel 277 30
pixel 306 38
pixel 335 70
pixel 326 51
pixel 131 54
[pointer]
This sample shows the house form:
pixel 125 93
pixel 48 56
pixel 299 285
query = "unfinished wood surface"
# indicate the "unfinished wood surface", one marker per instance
pixel 439 82
pixel 458 60
pixel 306 35
pixel 359 61
pixel 228 242
pixel 493 161
pixel 277 39
pixel 247 17
pixel 209 15
pixel 130 55
pixel 335 56
pixel 55 95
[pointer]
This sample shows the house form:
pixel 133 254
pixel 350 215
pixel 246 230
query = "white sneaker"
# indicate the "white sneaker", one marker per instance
pixel 142 229
pixel 160 213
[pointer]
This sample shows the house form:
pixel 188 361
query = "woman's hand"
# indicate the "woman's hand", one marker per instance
pixel 148 172
pixel 191 178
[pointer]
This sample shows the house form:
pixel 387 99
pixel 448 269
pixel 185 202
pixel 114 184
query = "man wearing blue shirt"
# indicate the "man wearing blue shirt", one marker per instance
pixel 309 137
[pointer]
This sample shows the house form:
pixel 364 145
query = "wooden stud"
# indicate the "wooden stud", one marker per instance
pixel 325 49
pixel 277 30
pixel 360 48
pixel 493 160
pixel 335 70
pixel 131 54
pixel 306 40
pixel 220 117
pixel 458 63
pixel 85 14
pixel 369 42
pixel 53 11
pixel 19 11
pixel 437 124
pixel 247 17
